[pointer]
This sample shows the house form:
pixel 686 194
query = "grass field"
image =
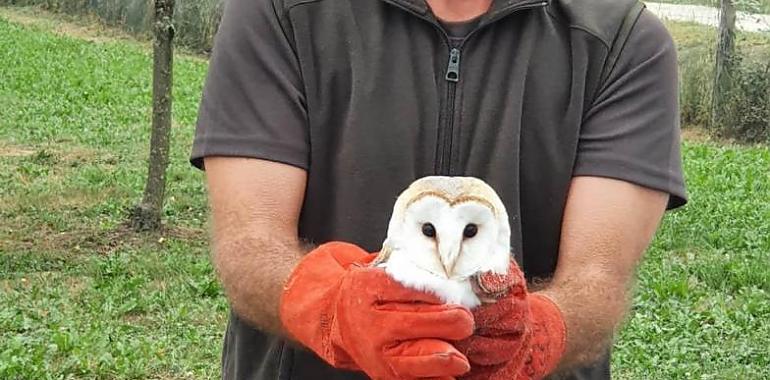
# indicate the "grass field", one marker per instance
pixel 84 298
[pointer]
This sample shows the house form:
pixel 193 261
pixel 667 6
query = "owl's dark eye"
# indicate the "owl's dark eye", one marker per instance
pixel 428 230
pixel 470 230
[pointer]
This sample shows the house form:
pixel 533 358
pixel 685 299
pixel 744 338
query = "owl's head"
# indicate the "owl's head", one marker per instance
pixel 451 227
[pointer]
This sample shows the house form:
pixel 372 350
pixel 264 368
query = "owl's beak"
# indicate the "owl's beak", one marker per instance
pixel 448 252
pixel 449 268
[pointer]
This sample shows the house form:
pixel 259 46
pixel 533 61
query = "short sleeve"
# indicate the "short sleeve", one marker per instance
pixel 253 102
pixel 631 131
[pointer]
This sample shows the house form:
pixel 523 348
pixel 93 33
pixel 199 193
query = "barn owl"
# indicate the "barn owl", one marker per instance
pixel 443 233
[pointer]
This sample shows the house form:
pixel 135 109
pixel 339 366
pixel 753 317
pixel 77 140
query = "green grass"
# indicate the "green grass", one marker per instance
pixel 702 307
pixel 84 298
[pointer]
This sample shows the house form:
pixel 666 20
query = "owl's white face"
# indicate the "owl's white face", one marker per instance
pixel 443 231
pixel 452 241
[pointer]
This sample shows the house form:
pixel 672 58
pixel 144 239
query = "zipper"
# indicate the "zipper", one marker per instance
pixel 446 130
pixel 442 164
pixel 445 133
pixel 453 67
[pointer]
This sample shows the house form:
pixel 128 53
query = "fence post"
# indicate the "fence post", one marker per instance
pixel 724 61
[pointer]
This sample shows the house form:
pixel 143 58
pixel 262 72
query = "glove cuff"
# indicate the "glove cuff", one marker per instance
pixel 548 339
pixel 306 308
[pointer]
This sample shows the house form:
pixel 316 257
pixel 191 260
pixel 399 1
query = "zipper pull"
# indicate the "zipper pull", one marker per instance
pixel 453 67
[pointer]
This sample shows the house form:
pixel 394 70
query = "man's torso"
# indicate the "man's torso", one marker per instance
pixel 390 98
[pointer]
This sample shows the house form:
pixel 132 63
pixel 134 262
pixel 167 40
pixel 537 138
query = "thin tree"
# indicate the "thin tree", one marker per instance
pixel 724 61
pixel 147 215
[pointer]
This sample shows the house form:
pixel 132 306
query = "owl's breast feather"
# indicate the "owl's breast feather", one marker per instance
pixel 449 291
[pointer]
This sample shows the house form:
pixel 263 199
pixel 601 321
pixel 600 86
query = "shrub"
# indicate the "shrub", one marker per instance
pixel 747 109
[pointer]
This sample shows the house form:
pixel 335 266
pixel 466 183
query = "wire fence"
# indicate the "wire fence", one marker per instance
pixel 707 15
pixel 724 74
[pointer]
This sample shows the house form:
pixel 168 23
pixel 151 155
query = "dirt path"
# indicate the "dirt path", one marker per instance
pixel 709 16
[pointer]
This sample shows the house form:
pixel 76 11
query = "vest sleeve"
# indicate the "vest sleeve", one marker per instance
pixel 253 102
pixel 631 131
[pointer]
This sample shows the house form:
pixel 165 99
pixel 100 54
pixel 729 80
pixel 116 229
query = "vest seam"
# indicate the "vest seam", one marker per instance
pixel 293 4
pixel 592 34
pixel 582 28
pixel 285 15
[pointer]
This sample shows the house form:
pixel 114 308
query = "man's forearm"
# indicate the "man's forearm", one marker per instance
pixel 593 306
pixel 253 270
pixel 607 226
pixel 255 206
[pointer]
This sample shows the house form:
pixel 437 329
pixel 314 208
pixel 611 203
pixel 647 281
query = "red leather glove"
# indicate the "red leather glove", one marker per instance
pixel 356 317
pixel 521 336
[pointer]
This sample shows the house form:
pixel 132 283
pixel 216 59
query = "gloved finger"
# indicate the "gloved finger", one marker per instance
pixel 485 351
pixel 507 313
pixel 426 358
pixel 416 321
pixel 493 284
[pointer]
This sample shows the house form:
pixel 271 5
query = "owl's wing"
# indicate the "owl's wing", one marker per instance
pixel 383 255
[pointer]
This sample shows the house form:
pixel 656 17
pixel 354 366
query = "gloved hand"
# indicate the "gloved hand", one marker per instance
pixel 356 317
pixel 521 336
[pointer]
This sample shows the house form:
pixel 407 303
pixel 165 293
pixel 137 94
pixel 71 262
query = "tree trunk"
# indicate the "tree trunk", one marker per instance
pixel 724 61
pixel 147 215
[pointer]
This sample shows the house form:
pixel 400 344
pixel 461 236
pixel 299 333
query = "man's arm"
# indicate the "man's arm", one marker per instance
pixel 607 226
pixel 255 206
pixel 335 312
